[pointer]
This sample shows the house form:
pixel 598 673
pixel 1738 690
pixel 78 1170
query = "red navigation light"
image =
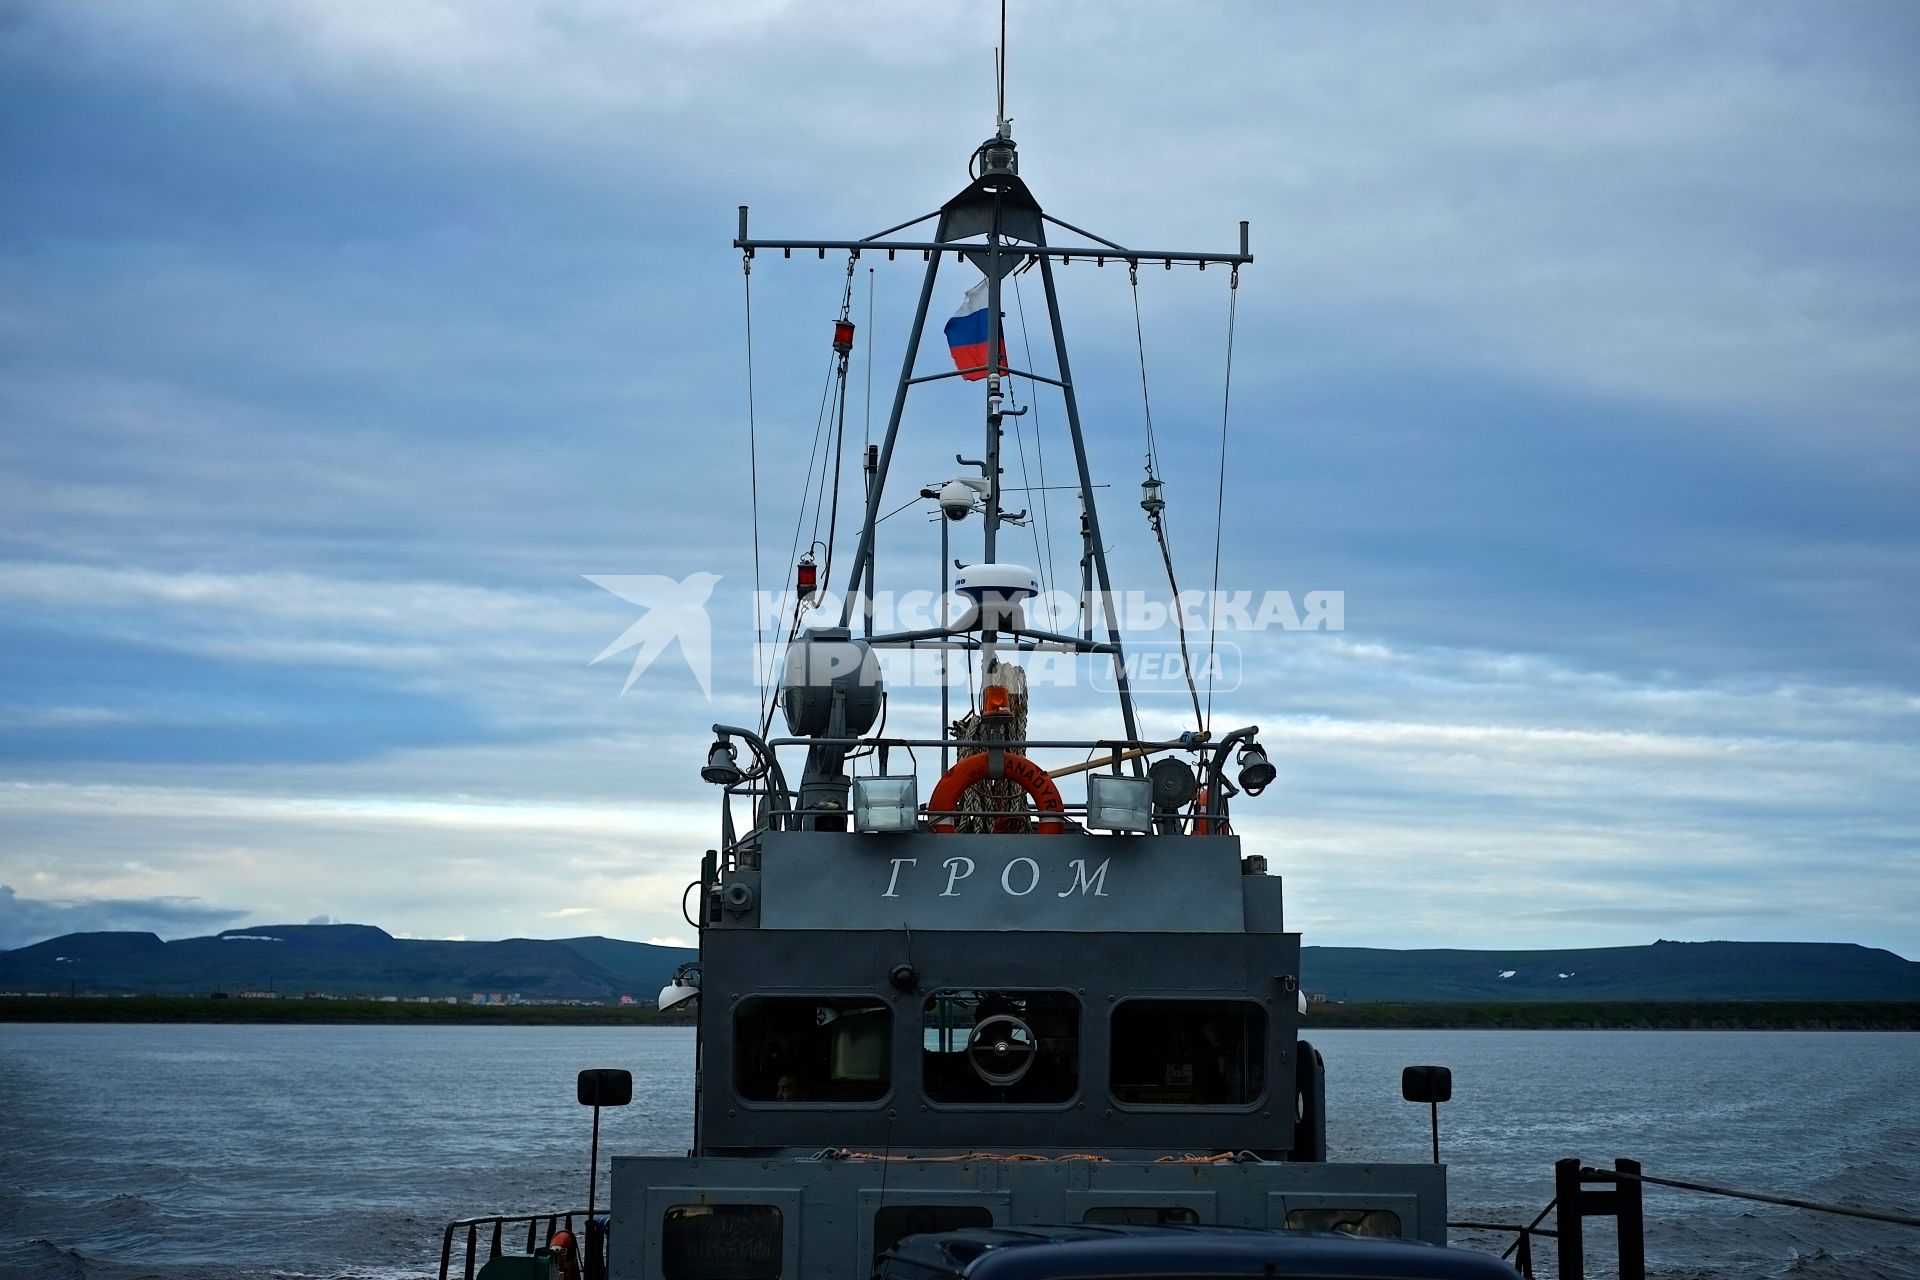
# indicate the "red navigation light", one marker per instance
pixel 995 701
pixel 806 578
pixel 843 336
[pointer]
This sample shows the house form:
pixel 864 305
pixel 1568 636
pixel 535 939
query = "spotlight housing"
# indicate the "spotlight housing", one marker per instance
pixel 723 766
pixel 684 987
pixel 1256 771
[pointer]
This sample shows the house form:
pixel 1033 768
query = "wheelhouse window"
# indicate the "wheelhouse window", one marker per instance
pixel 1380 1223
pixel 1000 1048
pixel 811 1049
pixel 1188 1053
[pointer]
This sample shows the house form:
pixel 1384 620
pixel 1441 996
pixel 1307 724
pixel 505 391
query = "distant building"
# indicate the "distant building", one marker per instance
pixel 626 999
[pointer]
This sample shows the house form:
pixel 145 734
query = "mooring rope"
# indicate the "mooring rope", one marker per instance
pixel 1707 1188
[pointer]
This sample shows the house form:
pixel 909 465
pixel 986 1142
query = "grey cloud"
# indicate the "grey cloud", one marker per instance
pixel 1573 331
pixel 24 921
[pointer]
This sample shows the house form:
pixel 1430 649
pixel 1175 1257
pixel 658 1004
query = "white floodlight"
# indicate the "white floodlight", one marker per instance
pixel 890 803
pixel 1119 802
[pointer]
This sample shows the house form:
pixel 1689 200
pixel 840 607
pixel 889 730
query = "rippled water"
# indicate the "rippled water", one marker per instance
pixel 240 1153
pixel 1828 1117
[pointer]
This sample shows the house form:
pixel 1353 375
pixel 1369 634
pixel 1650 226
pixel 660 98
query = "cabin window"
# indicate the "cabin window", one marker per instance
pixel 1142 1215
pixel 797 1049
pixel 1188 1053
pixel 1000 1048
pixel 722 1242
pixel 895 1222
pixel 1381 1223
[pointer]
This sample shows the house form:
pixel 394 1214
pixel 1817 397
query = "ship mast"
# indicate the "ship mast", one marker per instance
pixel 996 224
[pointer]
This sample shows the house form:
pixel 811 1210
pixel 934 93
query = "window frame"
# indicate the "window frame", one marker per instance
pixel 1081 1044
pixel 1255 1103
pixel 802 1104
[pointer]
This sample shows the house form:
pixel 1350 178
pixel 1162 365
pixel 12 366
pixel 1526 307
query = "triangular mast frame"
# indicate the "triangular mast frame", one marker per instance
pixel 998 206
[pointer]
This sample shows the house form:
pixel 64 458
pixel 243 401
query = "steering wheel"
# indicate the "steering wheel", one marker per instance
pixel 1001 1049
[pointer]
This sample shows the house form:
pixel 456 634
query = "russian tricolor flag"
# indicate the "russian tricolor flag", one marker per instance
pixel 967 335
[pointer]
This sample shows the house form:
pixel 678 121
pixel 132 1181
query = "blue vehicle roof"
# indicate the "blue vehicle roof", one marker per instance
pixel 1060 1253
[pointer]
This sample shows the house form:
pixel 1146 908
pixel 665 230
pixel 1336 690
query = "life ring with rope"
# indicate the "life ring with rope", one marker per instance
pixel 1015 768
pixel 566 1258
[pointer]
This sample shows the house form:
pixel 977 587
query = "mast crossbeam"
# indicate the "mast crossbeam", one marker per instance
pixel 959 248
pixel 1008 370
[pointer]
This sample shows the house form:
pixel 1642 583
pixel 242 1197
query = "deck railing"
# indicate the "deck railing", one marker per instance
pixel 592 1244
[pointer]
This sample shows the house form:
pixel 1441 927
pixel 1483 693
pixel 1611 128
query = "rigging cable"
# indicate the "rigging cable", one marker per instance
pixel 833 393
pixel 1039 446
pixel 866 429
pixel 1220 497
pixel 836 370
pixel 1179 622
pixel 753 472
pixel 1140 342
pixel 840 426
pixel 1026 478
pixel 1155 514
pixel 818 455
pixel 793 552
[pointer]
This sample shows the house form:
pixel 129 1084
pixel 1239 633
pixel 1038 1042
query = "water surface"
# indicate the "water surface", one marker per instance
pixel 248 1152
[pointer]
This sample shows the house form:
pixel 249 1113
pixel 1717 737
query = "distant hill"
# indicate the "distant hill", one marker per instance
pixel 348 959
pixel 1663 971
pixel 340 959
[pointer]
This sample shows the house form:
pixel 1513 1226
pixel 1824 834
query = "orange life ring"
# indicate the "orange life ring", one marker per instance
pixel 1201 826
pixel 564 1248
pixel 1031 778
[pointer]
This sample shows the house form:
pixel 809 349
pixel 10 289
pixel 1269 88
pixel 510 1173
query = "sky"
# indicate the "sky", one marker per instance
pixel 343 343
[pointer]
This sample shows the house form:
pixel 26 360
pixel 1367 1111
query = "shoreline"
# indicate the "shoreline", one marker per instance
pixel 326 1012
pixel 1599 1015
pixel 1621 1015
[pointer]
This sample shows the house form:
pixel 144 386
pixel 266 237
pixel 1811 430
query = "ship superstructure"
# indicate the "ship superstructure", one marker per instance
pixel 1050 988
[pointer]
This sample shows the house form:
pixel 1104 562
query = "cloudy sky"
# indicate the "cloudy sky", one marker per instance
pixel 340 341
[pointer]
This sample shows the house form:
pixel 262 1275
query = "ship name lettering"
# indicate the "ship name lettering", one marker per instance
pixel 1095 884
pixel 1019 876
pixel 1033 877
pixel 893 881
pixel 955 874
